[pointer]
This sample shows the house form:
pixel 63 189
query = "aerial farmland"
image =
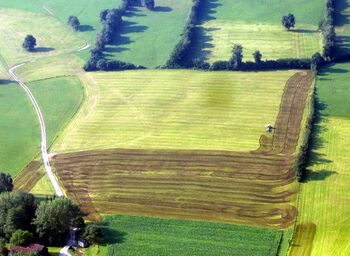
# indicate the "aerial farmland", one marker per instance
pixel 174 127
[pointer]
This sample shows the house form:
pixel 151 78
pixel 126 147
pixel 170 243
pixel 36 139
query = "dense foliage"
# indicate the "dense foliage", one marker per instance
pixel 6 182
pixel 288 21
pixel 149 4
pixel 29 43
pixel 328 30
pixel 53 220
pixel 74 22
pixel 179 56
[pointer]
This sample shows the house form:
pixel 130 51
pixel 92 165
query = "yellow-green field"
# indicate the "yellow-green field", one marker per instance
pixel 272 41
pixel 177 109
pixel 256 25
pixel 323 226
pixel 52 36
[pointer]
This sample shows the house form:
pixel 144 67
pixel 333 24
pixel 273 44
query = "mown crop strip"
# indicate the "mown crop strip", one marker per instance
pixel 235 187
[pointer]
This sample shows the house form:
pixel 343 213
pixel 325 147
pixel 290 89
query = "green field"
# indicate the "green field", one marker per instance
pixel 58 98
pixel 257 26
pixel 176 109
pixel 19 129
pixel 324 199
pixel 148 37
pixel 129 235
pixel 52 37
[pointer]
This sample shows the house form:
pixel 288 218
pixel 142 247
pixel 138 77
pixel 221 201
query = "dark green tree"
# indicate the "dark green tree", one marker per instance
pixel 29 43
pixel 288 21
pixel 316 62
pixel 74 22
pixel 257 57
pixel 17 210
pixel 92 233
pixel 53 220
pixel 21 238
pixel 237 56
pixel 6 182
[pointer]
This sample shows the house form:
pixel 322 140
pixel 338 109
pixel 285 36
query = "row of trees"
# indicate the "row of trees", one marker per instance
pixel 179 56
pixel 23 220
pixel 328 29
pixel 111 20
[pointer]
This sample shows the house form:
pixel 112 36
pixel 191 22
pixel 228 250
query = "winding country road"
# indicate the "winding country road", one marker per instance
pixel 44 153
pixel 52 177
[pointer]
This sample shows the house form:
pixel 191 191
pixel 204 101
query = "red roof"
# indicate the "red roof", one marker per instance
pixel 28 249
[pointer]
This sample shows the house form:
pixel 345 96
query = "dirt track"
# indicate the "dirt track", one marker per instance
pixel 236 187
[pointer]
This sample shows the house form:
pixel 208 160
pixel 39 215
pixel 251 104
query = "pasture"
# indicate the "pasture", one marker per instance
pixel 257 26
pixel 59 99
pixel 166 237
pixel 192 183
pixel 323 227
pixel 176 109
pixel 53 38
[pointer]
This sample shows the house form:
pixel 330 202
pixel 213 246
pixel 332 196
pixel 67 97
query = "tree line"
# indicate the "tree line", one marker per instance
pixel 111 20
pixel 179 56
pixel 24 220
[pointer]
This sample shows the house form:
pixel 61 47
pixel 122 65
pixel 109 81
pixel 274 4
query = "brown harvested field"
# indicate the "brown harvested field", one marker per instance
pixel 27 179
pixel 256 187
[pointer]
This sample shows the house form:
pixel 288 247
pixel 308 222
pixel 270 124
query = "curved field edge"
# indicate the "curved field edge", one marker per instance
pixel 166 237
pixel 324 197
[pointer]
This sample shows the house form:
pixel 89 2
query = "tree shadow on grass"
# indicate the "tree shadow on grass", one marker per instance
pixel 309 175
pixel 43 49
pixel 209 9
pixel 6 82
pixel 162 9
pixel 341 18
pixel 300 30
pixel 86 28
pixel 111 236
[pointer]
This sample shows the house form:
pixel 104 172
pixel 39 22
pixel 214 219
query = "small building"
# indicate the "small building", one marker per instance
pixel 269 127
pixel 38 249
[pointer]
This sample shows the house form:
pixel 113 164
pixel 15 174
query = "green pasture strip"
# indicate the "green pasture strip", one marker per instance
pixel 59 99
pixel 132 235
pixel 256 25
pixel 148 37
pixel 176 109
pixel 19 129
pixel 324 199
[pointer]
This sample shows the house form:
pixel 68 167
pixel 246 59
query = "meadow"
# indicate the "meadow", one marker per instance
pixel 52 37
pixel 323 227
pixel 258 26
pixel 343 25
pixel 179 237
pixel 171 110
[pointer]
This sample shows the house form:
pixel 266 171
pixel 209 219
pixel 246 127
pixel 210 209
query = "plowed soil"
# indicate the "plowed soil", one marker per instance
pixel 255 188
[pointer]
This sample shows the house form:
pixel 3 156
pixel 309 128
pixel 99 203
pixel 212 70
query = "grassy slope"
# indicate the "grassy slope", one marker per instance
pixel 52 37
pixel 148 37
pixel 176 109
pixel 324 199
pixel 257 26
pixel 151 236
